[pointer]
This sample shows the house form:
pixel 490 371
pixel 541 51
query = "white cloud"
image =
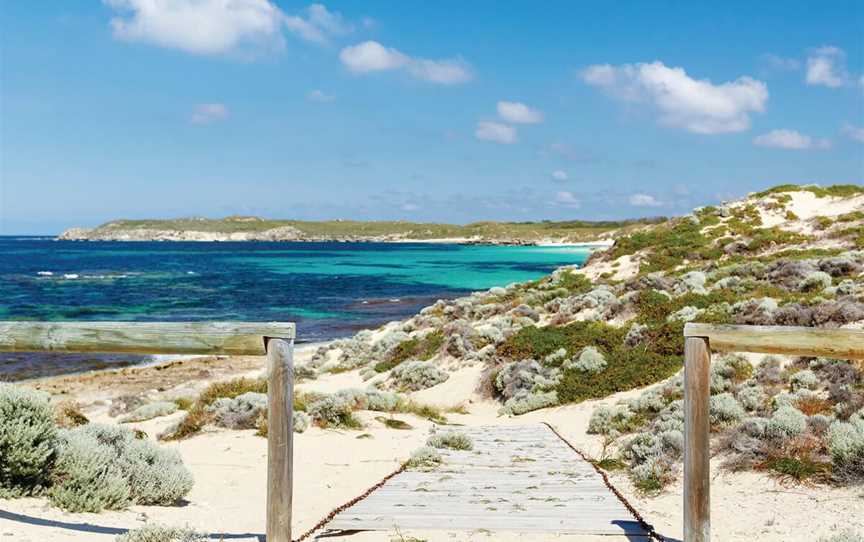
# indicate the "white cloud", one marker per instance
pixel 644 200
pixel 319 24
pixel 408 206
pixel 567 199
pixel 855 132
pixel 443 72
pixel 495 131
pixel 559 175
pixel 826 66
pixel 780 63
pixel 371 56
pixel 211 27
pixel 198 26
pixel 319 96
pixel 789 139
pixel 209 112
pixel 519 113
pixel 697 106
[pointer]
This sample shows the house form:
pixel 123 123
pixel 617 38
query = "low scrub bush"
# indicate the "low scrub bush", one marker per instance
pixel 28 440
pixel 422 348
pixel 153 532
pixel 425 457
pixel 451 439
pixel 241 412
pixel 104 466
pixel 335 410
pixel 149 411
pixel 417 375
pixel 525 402
pixel 846 536
pixel 590 360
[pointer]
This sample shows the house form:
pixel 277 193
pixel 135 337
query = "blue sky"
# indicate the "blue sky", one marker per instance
pixel 438 111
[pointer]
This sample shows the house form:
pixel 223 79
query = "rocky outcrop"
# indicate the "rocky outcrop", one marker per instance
pixel 282 233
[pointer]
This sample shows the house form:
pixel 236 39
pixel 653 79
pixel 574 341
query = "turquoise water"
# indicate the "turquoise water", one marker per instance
pixel 329 289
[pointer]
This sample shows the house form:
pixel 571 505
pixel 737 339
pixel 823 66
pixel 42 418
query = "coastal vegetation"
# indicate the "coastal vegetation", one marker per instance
pixel 614 326
pixel 617 325
pixel 250 227
pixel 88 468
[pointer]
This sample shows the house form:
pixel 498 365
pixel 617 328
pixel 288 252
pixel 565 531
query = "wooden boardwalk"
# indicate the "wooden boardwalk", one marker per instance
pixel 522 479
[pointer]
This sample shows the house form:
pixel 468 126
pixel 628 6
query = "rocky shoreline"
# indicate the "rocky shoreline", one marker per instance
pixel 289 234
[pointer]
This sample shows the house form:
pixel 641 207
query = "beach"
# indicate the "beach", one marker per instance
pixel 334 466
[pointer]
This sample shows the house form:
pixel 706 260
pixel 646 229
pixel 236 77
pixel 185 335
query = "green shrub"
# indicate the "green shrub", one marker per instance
pixel 627 368
pixel 161 533
pixel 28 440
pixel 422 348
pixel 104 466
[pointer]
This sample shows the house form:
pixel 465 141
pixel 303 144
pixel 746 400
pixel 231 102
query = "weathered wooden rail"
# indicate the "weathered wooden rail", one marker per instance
pixel 276 340
pixel 699 341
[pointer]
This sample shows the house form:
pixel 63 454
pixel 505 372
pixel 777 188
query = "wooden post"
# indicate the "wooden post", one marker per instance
pixel 697 393
pixel 280 438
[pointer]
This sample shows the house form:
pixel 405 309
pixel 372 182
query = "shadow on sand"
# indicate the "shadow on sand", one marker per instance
pixel 99 529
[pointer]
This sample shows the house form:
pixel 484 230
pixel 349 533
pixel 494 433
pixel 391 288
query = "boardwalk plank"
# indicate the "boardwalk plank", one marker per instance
pixel 522 479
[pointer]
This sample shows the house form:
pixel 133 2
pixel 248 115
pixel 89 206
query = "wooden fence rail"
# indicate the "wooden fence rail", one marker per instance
pixel 276 340
pixel 699 341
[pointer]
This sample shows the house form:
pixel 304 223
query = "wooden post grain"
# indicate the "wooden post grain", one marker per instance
pixel 697 393
pixel 280 438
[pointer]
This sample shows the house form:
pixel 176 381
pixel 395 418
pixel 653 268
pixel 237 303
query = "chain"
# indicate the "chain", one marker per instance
pixel 350 503
pixel 650 528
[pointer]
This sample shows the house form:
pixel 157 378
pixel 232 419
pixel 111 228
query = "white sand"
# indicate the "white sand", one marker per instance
pixel 331 467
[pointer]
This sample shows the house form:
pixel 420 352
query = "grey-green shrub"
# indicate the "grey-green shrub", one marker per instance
pixel 451 439
pixel 417 375
pixel 241 412
pixel 845 536
pixel 525 402
pixel 725 369
pixel 752 397
pixel 425 457
pixel 590 361
pixel 382 401
pixel 786 422
pixel 105 466
pixel 609 420
pixel 333 410
pixel 302 421
pixel 28 440
pixel 724 409
pixel 805 379
pixel 150 411
pixel 845 440
pixel 815 282
pixel 87 475
pixel 154 532
pixel 525 377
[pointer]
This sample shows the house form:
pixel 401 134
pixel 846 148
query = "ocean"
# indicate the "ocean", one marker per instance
pixel 330 289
